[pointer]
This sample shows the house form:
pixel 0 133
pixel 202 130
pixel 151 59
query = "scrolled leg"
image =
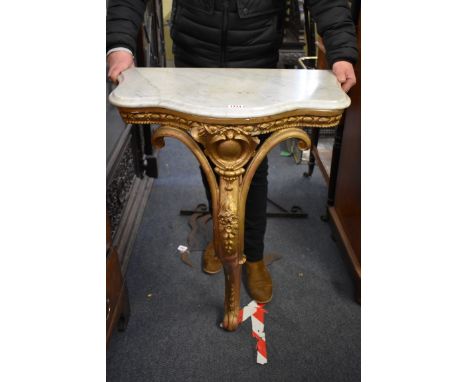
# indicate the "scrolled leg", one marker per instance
pixel 232 278
pixel 229 225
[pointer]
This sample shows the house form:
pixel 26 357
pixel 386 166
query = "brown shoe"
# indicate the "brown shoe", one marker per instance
pixel 211 263
pixel 259 282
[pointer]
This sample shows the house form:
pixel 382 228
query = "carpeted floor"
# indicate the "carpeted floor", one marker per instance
pixel 313 323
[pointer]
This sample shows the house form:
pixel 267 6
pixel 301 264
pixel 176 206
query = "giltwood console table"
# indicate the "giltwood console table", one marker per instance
pixel 224 111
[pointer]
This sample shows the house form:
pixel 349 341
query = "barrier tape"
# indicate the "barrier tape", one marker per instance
pixel 256 313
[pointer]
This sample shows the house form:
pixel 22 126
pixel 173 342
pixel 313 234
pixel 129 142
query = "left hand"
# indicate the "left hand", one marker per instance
pixel 119 61
pixel 344 72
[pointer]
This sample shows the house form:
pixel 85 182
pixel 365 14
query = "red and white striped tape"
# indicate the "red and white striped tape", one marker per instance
pixel 256 313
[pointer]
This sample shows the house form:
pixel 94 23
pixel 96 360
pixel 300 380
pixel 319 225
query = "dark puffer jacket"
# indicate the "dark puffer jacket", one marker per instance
pixel 233 33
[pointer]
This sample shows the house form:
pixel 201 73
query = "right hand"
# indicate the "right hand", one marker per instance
pixel 118 62
pixel 344 72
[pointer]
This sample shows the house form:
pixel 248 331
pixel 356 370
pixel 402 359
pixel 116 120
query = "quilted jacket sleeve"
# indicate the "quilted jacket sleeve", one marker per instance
pixel 123 21
pixel 335 25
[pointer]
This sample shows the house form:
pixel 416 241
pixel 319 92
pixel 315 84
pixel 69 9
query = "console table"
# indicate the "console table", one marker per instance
pixel 218 114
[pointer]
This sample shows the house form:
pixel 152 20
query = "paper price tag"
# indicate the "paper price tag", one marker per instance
pixel 182 248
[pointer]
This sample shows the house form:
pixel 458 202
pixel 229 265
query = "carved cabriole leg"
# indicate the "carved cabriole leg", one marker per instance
pixel 268 145
pixel 230 150
pixel 229 248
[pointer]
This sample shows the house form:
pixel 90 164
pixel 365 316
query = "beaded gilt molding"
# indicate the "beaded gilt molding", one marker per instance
pixel 252 126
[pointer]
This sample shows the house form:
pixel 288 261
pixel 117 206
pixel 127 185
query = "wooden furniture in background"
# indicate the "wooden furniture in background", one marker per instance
pixel 344 193
pixel 131 163
pixel 292 46
pixel 117 304
pixel 315 59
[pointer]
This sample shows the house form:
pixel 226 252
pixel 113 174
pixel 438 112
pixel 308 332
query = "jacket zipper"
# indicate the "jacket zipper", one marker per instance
pixel 224 33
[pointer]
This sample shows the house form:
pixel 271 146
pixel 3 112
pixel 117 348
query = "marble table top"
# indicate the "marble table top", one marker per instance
pixel 229 93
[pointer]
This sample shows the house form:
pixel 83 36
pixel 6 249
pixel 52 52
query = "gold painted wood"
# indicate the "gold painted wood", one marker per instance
pixel 231 145
pixel 249 126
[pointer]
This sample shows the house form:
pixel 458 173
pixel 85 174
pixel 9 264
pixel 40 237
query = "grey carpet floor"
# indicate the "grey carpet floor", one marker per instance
pixel 313 323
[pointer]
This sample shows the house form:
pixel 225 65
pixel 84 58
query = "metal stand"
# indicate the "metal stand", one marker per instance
pixel 294 212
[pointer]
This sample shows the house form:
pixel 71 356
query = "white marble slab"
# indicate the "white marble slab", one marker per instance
pixel 229 93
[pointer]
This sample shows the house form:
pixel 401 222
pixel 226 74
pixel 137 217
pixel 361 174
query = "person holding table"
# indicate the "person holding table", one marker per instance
pixel 235 34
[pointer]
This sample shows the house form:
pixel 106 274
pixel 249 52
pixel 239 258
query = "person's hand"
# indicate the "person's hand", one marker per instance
pixel 118 61
pixel 344 72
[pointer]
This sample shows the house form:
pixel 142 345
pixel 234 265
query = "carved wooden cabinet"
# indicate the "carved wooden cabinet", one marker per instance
pixel 127 191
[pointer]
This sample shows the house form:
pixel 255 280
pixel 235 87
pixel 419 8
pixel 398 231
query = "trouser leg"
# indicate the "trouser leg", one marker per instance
pixel 255 214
